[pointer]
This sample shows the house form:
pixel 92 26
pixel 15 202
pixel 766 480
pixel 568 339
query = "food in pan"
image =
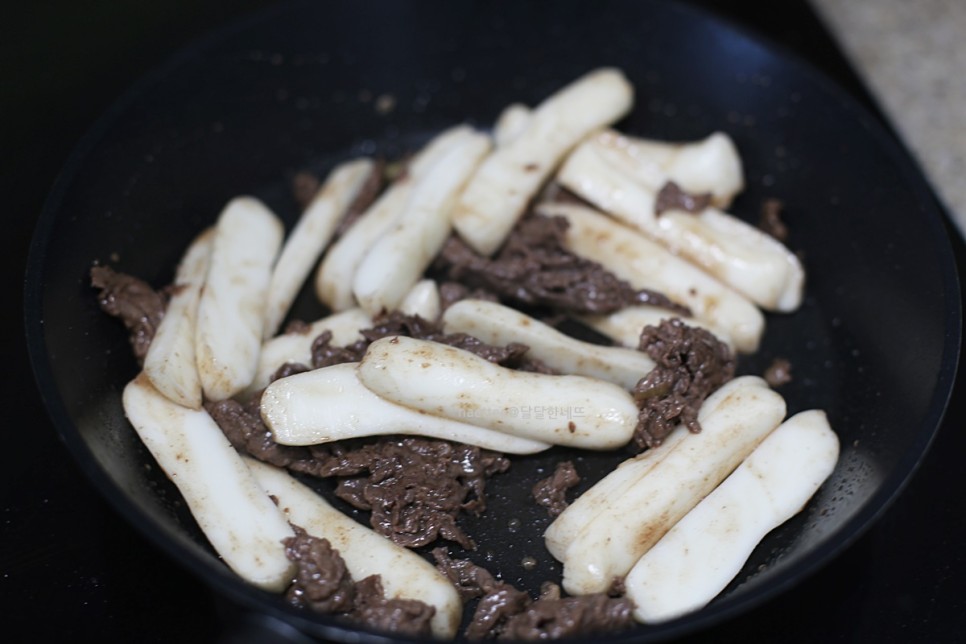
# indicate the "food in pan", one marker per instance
pixel 439 354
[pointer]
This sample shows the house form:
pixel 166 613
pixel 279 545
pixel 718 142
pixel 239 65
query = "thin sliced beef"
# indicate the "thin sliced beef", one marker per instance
pixel 323 583
pixel 397 616
pixel 134 302
pixel 534 268
pixel 247 433
pixel 286 370
pixel 554 617
pixel 470 580
pixel 778 373
pixel 770 219
pixel 551 492
pixel 690 364
pixel 672 197
pixel 416 487
pixel 506 613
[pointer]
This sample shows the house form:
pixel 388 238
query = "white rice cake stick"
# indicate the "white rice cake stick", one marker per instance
pixel 170 361
pixel 711 165
pixel 398 259
pixel 587 174
pixel 509 178
pixel 405 575
pixel 738 254
pixel 633 522
pixel 231 312
pixel 584 510
pixel 422 300
pixel 645 264
pixel 624 326
pixel 331 404
pixel 310 236
pixel 242 523
pixel 333 281
pixel 511 123
pixel 438 379
pixel 704 551
pixel 297 346
pixel 500 325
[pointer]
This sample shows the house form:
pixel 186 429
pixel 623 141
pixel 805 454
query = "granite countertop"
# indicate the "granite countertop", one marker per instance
pixel 913 59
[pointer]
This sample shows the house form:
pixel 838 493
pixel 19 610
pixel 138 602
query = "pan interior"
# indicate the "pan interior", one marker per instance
pixel 300 87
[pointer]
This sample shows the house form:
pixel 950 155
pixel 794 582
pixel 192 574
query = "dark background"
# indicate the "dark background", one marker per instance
pixel 72 570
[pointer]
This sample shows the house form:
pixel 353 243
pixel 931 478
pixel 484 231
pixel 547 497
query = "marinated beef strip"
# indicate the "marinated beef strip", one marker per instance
pixel 778 373
pixel 470 580
pixel 690 364
pixel 770 219
pixel 325 354
pixel 672 197
pixel 506 613
pixel 134 302
pixel 552 617
pixel 247 433
pixel 513 355
pixel 414 487
pixel 323 583
pixel 551 492
pixel 243 426
pixel 534 268
pixel 403 616
pixel 288 369
pixel 499 600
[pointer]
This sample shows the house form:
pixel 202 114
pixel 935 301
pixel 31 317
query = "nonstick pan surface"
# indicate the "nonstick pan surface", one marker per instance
pixel 295 87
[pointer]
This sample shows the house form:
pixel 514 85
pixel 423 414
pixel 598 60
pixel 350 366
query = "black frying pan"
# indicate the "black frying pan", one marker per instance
pixel 875 345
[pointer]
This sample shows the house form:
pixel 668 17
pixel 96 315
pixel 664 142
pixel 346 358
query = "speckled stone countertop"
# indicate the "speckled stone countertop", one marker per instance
pixel 912 56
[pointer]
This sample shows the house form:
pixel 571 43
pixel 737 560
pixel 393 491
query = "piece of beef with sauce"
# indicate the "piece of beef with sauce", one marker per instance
pixel 671 196
pixel 507 613
pixel 690 364
pixel 553 617
pixel 407 617
pixel 551 492
pixel 133 301
pixel 534 268
pixel 415 488
pixel 324 584
pixel 770 219
pixel 778 373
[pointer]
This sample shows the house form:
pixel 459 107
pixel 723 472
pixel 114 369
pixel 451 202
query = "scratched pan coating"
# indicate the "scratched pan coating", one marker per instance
pixel 303 86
